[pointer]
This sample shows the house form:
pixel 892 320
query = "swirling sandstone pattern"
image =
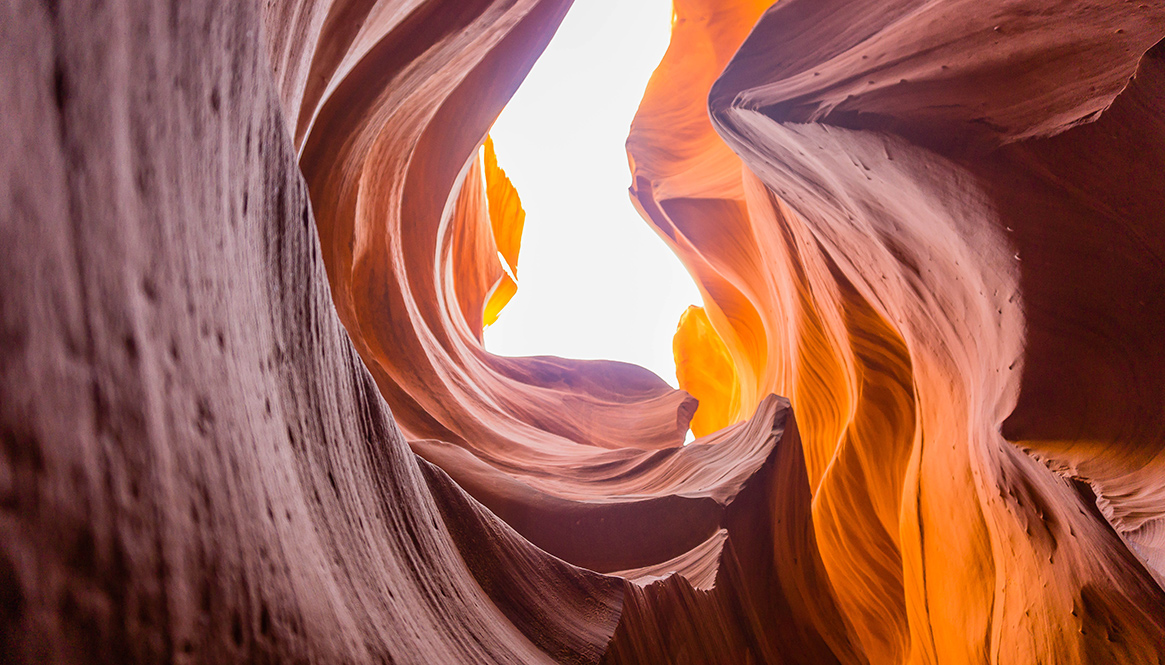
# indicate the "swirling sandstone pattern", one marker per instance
pixel 248 252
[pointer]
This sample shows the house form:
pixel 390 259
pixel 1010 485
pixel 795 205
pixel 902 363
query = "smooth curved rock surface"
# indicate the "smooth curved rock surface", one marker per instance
pixel 909 266
pixel 247 251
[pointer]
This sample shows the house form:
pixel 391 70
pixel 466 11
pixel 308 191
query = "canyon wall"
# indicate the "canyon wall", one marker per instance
pixel 247 251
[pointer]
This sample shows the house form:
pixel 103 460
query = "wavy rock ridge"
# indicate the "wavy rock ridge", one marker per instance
pixel 246 413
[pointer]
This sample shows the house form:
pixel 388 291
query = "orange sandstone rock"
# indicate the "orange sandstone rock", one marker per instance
pixel 704 369
pixel 507 218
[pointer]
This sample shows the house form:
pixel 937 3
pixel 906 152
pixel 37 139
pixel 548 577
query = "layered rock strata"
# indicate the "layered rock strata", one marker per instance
pixel 246 413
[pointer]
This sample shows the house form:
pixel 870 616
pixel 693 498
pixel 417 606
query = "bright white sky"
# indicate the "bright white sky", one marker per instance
pixel 594 280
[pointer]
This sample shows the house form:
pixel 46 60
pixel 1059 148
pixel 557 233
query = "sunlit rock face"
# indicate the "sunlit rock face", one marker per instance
pixel 249 250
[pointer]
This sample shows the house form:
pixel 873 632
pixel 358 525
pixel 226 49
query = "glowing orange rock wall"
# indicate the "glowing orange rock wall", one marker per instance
pixel 704 369
pixel 507 219
pixel 875 256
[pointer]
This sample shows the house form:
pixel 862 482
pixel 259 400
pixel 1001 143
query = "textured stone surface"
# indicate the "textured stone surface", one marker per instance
pixel 197 467
pixel 246 252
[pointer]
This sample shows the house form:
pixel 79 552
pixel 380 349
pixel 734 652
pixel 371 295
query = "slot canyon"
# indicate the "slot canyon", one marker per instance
pixel 248 249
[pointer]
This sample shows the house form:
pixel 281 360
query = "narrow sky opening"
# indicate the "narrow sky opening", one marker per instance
pixel 594 280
